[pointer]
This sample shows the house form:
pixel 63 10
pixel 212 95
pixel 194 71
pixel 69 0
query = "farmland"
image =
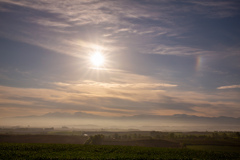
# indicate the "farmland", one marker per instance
pixel 120 145
pixel 75 151
pixel 214 148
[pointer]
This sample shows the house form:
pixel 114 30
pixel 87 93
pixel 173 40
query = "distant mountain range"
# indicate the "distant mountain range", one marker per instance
pixel 143 122
pixel 177 117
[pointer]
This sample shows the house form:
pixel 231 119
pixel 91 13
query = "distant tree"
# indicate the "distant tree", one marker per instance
pixel 158 136
pixel 116 136
pixel 171 135
pixel 124 136
pixel 134 135
pixel 224 135
pixel 139 135
pixel 215 135
pixel 238 134
pixel 182 145
pixel 95 140
pixel 154 134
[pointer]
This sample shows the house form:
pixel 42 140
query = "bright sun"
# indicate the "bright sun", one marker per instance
pixel 97 59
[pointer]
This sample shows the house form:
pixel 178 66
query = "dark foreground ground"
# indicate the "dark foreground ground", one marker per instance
pixel 75 151
pixel 57 139
pixel 63 139
pixel 117 145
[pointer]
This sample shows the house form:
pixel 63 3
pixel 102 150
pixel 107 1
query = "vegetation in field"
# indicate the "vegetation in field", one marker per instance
pixel 215 148
pixel 121 145
pixel 97 139
pixel 73 151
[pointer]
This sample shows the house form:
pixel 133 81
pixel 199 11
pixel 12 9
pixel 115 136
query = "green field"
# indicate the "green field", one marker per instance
pixel 75 151
pixel 215 148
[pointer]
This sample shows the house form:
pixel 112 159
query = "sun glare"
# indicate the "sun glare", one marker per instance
pixel 97 59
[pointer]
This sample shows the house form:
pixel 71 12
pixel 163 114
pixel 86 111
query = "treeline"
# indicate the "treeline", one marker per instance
pixel 98 137
pixel 128 136
pixel 95 140
pixel 196 135
pixel 172 135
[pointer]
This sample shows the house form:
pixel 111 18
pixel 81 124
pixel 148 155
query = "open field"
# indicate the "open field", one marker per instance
pixel 121 145
pixel 75 151
pixel 63 139
pixel 215 148
pixel 144 143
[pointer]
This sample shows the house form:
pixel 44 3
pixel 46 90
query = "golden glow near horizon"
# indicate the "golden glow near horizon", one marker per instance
pixel 97 60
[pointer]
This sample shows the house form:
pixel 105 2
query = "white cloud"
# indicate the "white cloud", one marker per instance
pixel 79 15
pixel 112 23
pixel 213 9
pixel 121 85
pixel 49 22
pixel 178 50
pixel 142 97
pixel 229 87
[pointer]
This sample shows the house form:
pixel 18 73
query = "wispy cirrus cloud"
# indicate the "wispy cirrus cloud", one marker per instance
pixel 102 98
pixel 124 22
pixel 219 9
pixel 49 22
pixel 136 94
pixel 229 87
pixel 179 50
pixel 134 87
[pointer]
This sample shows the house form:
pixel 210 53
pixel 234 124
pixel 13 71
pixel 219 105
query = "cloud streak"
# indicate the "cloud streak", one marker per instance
pixel 220 9
pixel 118 20
pixel 229 87
pixel 115 98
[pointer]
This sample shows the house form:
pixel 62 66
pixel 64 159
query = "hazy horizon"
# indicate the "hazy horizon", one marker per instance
pixel 82 121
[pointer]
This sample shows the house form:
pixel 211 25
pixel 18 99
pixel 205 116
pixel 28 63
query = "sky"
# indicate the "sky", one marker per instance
pixel 162 57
